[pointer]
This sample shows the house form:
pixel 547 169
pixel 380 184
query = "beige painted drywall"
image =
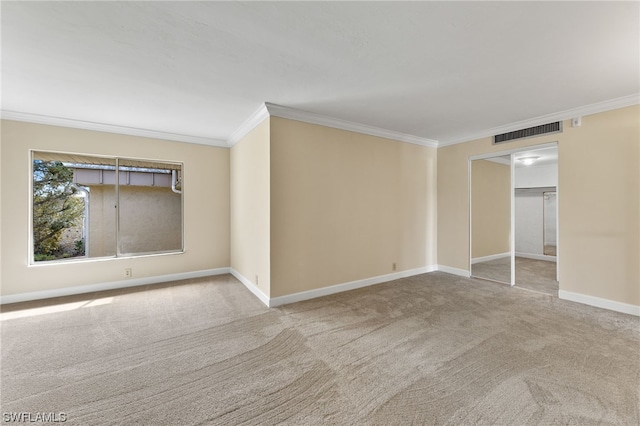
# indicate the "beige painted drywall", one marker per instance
pixel 598 202
pixel 206 207
pixel 490 208
pixel 598 199
pixel 250 200
pixel 345 206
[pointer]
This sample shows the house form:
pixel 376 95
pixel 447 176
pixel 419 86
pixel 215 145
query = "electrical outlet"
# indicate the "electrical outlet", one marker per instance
pixel 256 280
pixel 128 273
pixel 394 266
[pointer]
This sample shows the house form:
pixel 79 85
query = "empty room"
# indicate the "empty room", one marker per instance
pixel 320 213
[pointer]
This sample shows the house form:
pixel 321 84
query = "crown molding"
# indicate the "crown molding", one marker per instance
pixel 336 123
pixel 249 124
pixel 582 111
pixel 109 128
pixel 269 109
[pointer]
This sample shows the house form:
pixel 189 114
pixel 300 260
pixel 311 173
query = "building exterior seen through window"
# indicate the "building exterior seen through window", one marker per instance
pixel 87 207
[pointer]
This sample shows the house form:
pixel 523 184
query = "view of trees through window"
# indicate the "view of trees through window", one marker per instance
pixel 88 207
pixel 57 208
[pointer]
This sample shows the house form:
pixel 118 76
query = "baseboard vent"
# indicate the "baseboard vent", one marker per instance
pixel 530 132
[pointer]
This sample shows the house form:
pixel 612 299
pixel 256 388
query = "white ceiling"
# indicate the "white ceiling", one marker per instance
pixel 438 70
pixel 546 157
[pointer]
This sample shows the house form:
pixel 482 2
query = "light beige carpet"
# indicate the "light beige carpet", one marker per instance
pixel 431 349
pixel 495 270
pixel 531 274
pixel 537 275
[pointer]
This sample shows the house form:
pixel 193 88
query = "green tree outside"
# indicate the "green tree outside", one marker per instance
pixel 55 208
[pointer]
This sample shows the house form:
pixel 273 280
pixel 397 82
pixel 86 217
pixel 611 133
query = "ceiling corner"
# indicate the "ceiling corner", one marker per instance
pixel 257 117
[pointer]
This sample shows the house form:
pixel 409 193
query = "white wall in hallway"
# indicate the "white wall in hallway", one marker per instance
pixel 530 209
pixel 536 176
pixel 550 219
pixel 529 227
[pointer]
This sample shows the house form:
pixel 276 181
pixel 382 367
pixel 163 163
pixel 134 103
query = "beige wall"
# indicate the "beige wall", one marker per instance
pixel 102 221
pixel 250 211
pixel 150 220
pixel 206 207
pixel 490 208
pixel 598 199
pixel 345 206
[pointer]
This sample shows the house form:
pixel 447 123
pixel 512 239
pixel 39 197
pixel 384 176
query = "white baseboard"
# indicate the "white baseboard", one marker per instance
pixel 90 288
pixel 537 256
pixel 598 302
pixel 352 285
pixel 251 287
pixel 454 271
pixel 491 257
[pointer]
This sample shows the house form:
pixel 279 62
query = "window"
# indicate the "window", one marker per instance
pixel 88 207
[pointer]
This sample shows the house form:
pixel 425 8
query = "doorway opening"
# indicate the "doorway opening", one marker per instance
pixel 513 236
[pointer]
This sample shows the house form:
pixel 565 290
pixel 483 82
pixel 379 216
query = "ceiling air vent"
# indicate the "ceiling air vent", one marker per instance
pixel 543 129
